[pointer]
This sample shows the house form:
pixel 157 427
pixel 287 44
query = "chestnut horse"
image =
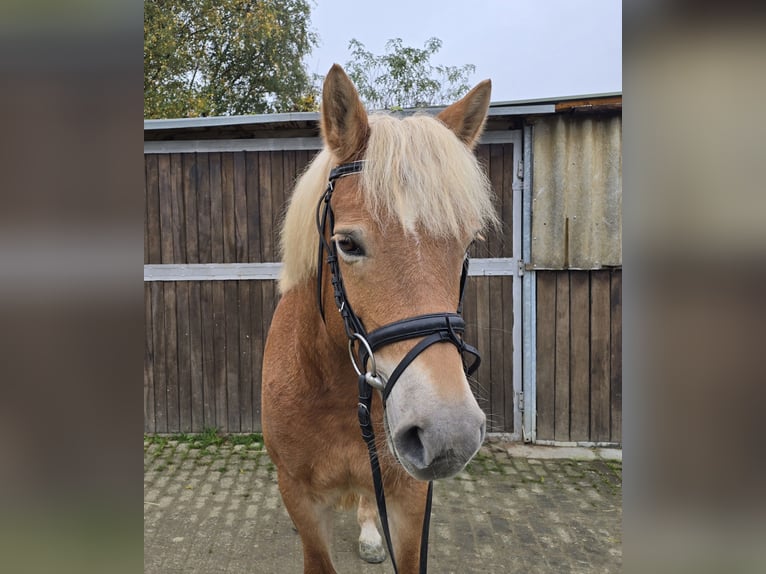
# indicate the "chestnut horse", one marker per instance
pixel 404 217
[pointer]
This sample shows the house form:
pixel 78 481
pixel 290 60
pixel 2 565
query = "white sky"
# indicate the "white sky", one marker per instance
pixel 529 48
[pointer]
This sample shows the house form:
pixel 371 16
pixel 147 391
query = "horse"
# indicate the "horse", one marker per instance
pixel 409 199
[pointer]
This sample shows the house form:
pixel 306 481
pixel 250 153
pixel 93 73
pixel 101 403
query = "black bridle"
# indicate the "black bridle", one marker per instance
pixel 432 328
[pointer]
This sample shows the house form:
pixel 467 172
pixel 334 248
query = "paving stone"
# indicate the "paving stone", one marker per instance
pixel 610 453
pixel 536 513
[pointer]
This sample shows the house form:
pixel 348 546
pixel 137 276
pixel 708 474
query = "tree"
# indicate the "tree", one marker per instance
pixel 222 57
pixel 404 77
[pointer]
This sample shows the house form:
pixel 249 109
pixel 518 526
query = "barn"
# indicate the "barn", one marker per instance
pixel 544 297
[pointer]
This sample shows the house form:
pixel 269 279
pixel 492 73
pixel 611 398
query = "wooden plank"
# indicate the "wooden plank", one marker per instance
pixel 545 334
pixel 497 378
pixel 496 239
pixel 152 237
pixel 607 103
pixel 506 212
pixel 600 328
pixel 259 330
pixel 208 355
pixel 615 356
pixel 189 174
pixel 507 329
pixel 245 357
pixel 268 302
pixel 288 182
pixel 277 199
pixel 579 297
pixel 184 356
pixel 146 216
pixel 472 337
pixel 265 223
pixel 288 177
pixel 562 358
pixel 482 249
pixel 252 186
pixel 264 215
pixel 484 341
pixel 268 299
pixel 149 420
pixel 171 356
pixel 219 353
pixel 216 209
pixel 268 312
pixel 232 355
pixel 204 233
pixel 227 201
pixel 164 192
pixel 160 373
pixel 189 374
pixel 196 359
pixel 240 208
pixel 177 209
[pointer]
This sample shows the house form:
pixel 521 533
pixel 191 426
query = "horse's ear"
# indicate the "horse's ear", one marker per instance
pixel 344 121
pixel 466 116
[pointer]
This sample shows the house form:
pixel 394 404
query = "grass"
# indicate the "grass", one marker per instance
pixel 165 447
pixel 484 463
pixel 209 437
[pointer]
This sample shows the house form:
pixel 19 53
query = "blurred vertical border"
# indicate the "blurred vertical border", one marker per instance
pixel 694 287
pixel 71 217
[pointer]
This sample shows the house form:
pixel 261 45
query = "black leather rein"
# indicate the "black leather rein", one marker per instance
pixel 431 329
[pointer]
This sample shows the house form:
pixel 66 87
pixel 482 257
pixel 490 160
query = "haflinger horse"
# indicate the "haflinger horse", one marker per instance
pixel 391 206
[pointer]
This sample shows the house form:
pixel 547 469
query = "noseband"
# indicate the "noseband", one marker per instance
pixel 430 328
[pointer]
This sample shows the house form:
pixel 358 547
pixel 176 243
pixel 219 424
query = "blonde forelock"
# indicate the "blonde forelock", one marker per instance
pixel 415 170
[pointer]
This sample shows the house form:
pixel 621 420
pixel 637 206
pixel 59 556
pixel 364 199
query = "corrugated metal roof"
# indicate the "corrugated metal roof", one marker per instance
pixel 577 192
pixel 217 121
pixel 506 108
pixel 313 117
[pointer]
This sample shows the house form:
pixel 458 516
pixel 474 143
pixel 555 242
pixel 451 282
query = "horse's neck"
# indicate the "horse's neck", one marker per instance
pixel 320 344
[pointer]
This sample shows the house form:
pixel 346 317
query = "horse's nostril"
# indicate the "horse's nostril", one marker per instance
pixel 409 444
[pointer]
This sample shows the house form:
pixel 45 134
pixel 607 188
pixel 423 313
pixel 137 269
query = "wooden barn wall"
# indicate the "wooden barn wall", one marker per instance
pixel 204 339
pixel 579 355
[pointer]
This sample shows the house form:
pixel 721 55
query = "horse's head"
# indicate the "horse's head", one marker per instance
pixel 401 230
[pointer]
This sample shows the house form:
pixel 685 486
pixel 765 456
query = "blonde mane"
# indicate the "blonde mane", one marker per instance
pixel 416 170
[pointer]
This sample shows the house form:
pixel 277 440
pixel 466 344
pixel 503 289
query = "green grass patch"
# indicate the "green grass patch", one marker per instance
pixel 208 437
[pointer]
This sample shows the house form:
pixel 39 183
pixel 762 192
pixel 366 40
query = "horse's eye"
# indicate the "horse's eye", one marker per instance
pixel 349 246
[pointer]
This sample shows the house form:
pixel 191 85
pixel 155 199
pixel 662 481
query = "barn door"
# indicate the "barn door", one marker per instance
pixel 493 298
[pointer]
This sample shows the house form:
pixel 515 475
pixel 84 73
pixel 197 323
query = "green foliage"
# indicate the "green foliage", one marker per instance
pixel 404 77
pixel 222 57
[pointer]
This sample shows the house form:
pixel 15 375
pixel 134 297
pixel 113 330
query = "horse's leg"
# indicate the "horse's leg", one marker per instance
pixel 314 525
pixel 370 543
pixel 405 510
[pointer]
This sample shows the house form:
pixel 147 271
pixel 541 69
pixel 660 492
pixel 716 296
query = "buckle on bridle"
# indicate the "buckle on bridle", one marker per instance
pixel 371 377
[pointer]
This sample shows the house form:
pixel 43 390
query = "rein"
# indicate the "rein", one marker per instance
pixel 432 328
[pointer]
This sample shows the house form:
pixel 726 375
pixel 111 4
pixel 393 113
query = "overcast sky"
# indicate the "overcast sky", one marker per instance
pixel 529 48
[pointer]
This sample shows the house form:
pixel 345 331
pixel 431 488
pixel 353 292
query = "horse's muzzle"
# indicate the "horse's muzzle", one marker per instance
pixel 439 448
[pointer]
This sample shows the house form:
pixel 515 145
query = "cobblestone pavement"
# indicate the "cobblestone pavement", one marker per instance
pixel 216 509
